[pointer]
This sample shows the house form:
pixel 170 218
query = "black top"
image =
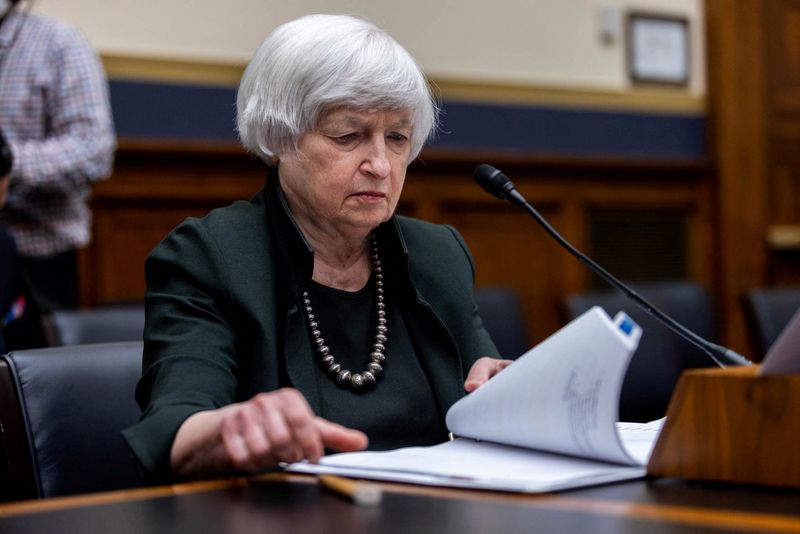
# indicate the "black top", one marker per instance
pixel 400 410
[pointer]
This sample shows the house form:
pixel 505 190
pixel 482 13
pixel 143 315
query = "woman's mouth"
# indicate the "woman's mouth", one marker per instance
pixel 370 196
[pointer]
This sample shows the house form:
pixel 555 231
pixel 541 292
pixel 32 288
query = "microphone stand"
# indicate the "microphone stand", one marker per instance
pixel 500 186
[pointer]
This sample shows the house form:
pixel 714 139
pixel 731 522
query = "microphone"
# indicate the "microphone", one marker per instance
pixel 496 183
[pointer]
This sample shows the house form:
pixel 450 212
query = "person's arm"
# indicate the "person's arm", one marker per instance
pixel 257 434
pixel 192 425
pixel 80 147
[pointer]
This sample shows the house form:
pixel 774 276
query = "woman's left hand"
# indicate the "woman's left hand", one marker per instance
pixel 482 370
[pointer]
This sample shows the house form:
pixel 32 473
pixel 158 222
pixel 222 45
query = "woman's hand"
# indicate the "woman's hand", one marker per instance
pixel 269 428
pixel 482 370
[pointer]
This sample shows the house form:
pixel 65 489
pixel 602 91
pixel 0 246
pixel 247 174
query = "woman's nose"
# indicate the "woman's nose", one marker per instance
pixel 376 161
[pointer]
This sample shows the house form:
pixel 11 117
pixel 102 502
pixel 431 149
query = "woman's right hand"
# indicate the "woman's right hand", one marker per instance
pixel 269 428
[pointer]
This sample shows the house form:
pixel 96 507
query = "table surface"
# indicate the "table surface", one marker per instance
pixel 296 503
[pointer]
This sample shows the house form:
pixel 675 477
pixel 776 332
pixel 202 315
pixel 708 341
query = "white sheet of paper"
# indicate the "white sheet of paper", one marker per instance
pixel 562 396
pixel 640 438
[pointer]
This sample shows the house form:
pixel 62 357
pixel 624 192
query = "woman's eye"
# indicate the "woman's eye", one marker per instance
pixel 346 139
pixel 398 138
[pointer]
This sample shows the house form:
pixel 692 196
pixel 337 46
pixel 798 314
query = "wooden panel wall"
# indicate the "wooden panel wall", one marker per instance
pixel 154 187
pixel 754 99
pixel 782 60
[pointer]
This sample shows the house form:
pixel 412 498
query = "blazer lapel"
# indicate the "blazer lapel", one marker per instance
pixel 437 354
pixel 300 365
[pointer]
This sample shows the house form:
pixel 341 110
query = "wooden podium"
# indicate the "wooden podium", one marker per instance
pixel 732 425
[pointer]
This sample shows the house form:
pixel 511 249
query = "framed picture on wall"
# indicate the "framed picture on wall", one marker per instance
pixel 658 49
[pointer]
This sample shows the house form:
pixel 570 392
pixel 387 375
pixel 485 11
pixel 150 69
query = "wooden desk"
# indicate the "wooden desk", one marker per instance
pixel 279 503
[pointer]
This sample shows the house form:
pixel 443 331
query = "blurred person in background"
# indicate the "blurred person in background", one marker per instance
pixel 56 117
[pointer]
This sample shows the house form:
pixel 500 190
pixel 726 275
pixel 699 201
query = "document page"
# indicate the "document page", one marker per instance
pixel 640 438
pixel 472 464
pixel 561 396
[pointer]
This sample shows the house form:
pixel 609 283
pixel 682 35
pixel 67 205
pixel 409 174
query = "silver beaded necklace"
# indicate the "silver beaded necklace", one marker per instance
pixel 343 377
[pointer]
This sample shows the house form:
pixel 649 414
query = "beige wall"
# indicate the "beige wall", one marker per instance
pixel 545 43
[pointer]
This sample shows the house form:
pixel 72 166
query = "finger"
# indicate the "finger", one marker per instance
pixel 482 371
pixel 307 440
pixel 256 441
pixel 279 435
pixel 502 364
pixel 235 449
pixel 478 374
pixel 235 443
pixel 340 438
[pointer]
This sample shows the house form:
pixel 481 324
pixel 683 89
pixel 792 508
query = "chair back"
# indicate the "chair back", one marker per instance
pixel 501 313
pixel 105 324
pixel 769 311
pixel 662 355
pixel 62 410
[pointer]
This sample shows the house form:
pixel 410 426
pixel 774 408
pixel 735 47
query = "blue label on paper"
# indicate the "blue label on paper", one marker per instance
pixel 627 325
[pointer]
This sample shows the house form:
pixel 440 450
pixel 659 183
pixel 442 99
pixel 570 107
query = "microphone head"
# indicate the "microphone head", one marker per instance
pixel 493 181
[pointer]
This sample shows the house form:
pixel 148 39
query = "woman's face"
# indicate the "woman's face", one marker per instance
pixel 347 174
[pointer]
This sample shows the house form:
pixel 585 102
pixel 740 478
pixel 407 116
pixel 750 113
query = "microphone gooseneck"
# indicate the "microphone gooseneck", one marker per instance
pixel 494 182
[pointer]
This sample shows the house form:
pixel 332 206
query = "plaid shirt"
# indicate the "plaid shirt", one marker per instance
pixel 56 116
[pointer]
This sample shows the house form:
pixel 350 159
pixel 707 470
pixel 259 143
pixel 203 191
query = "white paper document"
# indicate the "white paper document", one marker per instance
pixel 545 423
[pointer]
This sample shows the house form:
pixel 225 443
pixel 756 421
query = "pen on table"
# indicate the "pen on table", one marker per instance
pixel 361 493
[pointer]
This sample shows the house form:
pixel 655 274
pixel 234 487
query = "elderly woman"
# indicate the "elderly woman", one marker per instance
pixel 311 317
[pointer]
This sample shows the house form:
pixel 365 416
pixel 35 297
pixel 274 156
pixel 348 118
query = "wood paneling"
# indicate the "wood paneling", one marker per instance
pixel 155 186
pixel 754 100
pixel 736 89
pixel 781 58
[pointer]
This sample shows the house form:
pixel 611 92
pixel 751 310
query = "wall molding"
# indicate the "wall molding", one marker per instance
pixel 648 100
pixel 166 70
pixel 668 100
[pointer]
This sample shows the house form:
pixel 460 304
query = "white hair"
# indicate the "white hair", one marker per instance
pixel 316 62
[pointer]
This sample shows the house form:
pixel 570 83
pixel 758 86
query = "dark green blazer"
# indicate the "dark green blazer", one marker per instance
pixel 223 321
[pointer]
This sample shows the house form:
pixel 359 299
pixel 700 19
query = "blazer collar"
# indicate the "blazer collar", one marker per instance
pixel 294 257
